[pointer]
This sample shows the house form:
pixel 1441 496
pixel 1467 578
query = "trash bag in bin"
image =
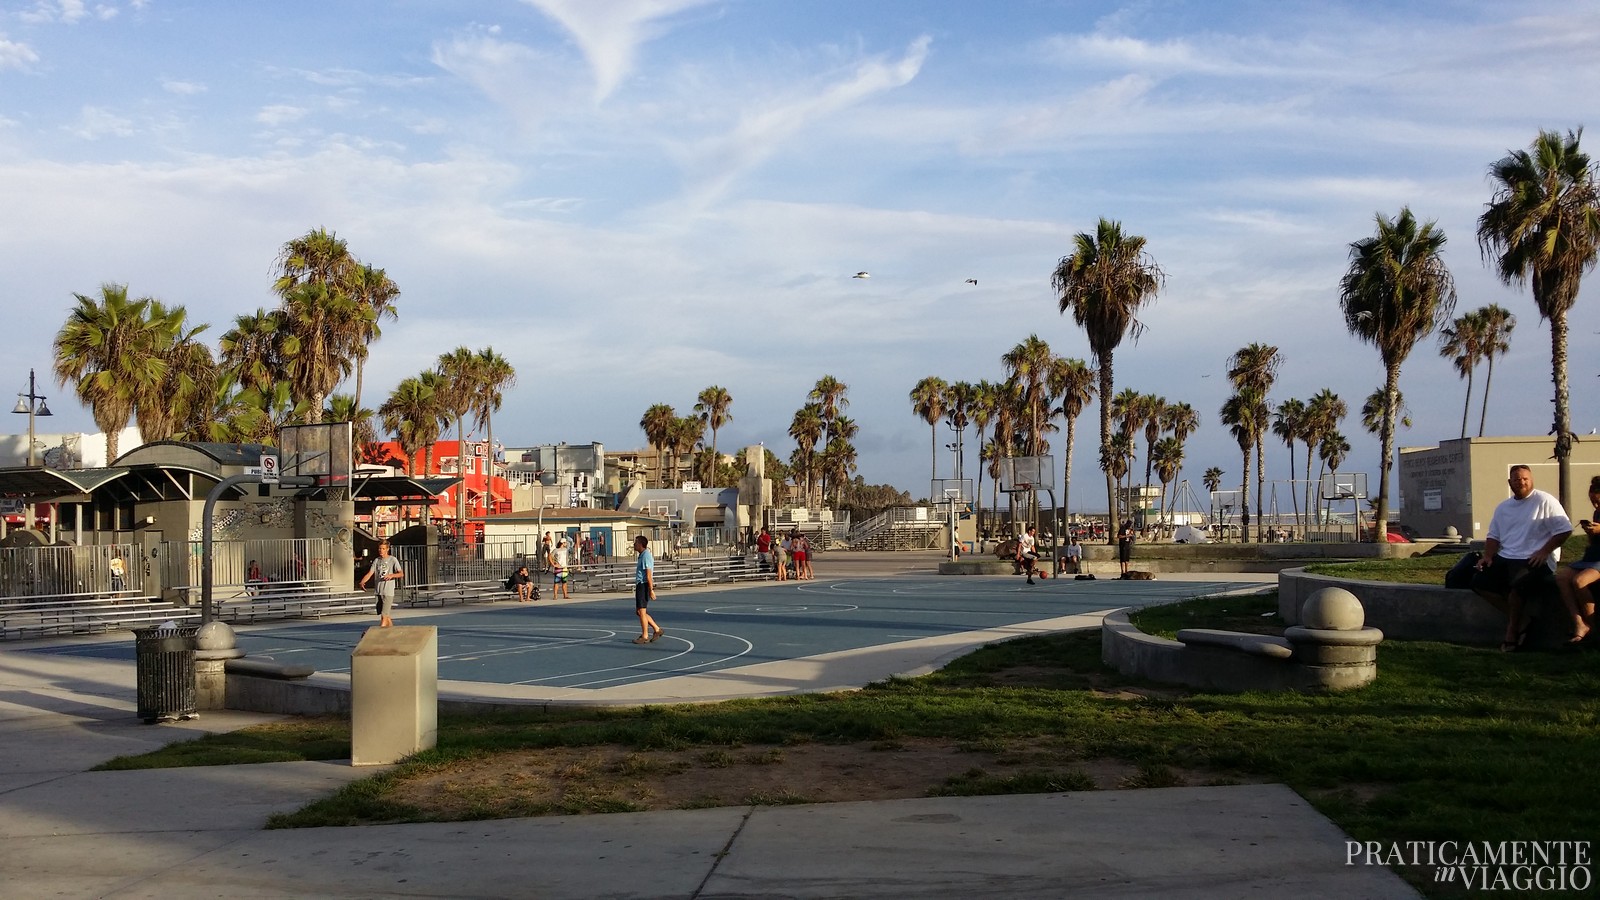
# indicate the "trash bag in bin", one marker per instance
pixel 164 671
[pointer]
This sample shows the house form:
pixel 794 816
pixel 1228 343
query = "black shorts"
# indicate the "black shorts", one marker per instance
pixel 1505 575
pixel 1124 551
pixel 641 596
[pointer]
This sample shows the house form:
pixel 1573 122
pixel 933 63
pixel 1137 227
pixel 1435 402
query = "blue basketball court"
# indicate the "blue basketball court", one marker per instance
pixel 589 644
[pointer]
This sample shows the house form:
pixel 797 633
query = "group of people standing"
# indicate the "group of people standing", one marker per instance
pixel 794 550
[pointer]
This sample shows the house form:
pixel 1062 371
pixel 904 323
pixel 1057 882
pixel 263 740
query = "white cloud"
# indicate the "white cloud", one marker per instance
pixel 716 163
pixel 95 123
pixel 279 114
pixel 14 55
pixel 609 34
pixel 45 12
pixel 182 88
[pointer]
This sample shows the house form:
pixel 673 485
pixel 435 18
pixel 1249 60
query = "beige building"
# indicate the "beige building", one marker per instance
pixel 1458 483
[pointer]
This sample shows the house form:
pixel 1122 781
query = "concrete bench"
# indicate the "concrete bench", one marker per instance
pixel 1253 644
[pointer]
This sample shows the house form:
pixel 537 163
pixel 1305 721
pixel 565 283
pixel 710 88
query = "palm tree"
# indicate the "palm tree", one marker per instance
pixel 1324 413
pixel 1123 453
pixel 1072 381
pixel 1256 367
pixel 1245 414
pixel 657 424
pixel 1028 365
pixel 1182 420
pixel 169 406
pixel 806 429
pixel 373 289
pixel 1461 342
pixel 1396 292
pixel 1496 324
pixel 712 406
pixel 959 397
pixel 981 410
pixel 685 433
pixel 363 428
pixel 1332 451
pixel 1212 479
pixel 106 350
pixel 411 415
pixel 1289 424
pixel 1168 456
pixel 320 322
pixel 495 374
pixel 1543 228
pixel 1376 406
pixel 1104 283
pixel 1155 408
pixel 829 394
pixel 927 403
pixel 459 371
pixel 253 349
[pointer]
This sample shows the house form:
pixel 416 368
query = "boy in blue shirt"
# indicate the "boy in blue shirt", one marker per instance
pixel 644 589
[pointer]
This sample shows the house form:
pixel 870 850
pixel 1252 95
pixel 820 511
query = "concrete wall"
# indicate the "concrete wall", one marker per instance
pixel 1136 654
pixel 1418 612
pixel 1459 482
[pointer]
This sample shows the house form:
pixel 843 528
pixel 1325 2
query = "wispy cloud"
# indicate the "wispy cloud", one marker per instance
pixel 95 123
pixel 14 55
pixel 609 34
pixel 280 114
pixel 182 88
pixel 716 163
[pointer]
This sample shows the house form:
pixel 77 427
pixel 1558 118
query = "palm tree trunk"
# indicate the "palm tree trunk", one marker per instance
pixel 1488 379
pixel 1261 478
pixel 1244 499
pixel 1113 523
pixel 1066 474
pixel 1558 365
pixel 716 460
pixel 933 455
pixel 1293 496
pixel 1305 526
pixel 1466 405
pixel 461 472
pixel 1391 390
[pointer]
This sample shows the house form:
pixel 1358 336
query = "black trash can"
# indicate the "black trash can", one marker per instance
pixel 164 658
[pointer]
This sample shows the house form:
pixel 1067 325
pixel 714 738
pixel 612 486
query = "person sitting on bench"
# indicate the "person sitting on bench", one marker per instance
pixel 1520 552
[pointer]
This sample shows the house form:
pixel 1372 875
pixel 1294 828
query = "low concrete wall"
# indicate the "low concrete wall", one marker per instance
pixel 1419 612
pixel 1134 653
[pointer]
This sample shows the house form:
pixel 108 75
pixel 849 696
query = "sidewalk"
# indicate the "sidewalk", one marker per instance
pixel 180 833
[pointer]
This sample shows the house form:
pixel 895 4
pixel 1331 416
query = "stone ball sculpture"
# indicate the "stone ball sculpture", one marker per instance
pixel 1333 609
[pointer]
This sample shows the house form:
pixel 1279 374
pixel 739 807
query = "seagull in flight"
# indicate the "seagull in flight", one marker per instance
pixel 972 281
pixel 862 275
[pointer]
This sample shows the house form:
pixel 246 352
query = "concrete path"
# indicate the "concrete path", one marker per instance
pixel 181 833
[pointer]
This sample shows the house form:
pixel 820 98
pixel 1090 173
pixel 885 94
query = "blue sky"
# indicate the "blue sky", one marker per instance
pixel 634 199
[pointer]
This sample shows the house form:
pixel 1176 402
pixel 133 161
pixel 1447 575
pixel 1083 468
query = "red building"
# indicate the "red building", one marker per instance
pixel 443 458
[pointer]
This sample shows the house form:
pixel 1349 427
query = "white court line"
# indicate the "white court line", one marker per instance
pixel 657 673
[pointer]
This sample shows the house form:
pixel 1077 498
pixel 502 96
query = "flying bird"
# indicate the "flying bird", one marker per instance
pixel 972 281
pixel 862 275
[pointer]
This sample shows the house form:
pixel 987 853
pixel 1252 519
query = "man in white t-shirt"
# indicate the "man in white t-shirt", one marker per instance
pixel 1521 551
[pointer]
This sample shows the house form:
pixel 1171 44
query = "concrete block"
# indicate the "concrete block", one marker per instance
pixel 394 694
pixel 210 684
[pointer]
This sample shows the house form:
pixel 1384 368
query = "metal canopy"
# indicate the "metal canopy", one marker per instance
pixel 36 483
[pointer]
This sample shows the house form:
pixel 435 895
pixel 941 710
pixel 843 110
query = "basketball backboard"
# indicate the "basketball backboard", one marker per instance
pixel 946 490
pixel 321 451
pixel 1344 486
pixel 1028 472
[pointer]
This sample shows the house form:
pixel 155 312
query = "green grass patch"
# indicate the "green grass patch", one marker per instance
pixel 1254 613
pixel 299 739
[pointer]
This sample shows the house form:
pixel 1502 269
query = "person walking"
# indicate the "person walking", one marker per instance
pixel 644 589
pixel 386 569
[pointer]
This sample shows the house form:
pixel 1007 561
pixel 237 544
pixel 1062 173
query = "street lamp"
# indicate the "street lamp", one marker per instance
pixel 31 405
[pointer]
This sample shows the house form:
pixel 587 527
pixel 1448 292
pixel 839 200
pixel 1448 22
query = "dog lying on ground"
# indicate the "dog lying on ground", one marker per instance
pixel 1138 576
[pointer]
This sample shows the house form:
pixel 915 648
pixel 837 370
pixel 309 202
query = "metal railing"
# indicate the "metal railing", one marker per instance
pixel 274 560
pixel 480 561
pixel 55 571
